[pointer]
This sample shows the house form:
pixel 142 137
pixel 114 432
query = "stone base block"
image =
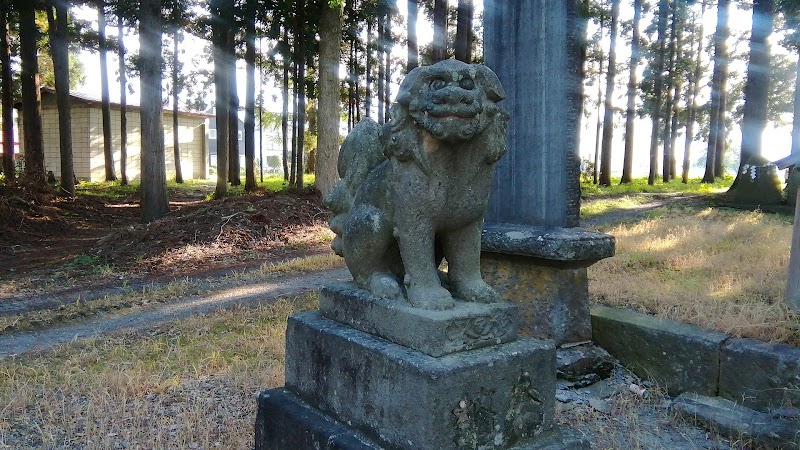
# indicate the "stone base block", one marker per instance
pixel 553 299
pixel 467 326
pixel 760 375
pixel 734 421
pixel 680 357
pixel 500 397
pixel 284 422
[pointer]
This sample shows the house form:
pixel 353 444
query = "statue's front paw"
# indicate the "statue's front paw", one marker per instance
pixel 430 297
pixel 476 291
pixel 383 285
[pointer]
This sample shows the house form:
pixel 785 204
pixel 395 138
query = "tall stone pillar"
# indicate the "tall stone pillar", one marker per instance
pixel 533 47
pixel 533 252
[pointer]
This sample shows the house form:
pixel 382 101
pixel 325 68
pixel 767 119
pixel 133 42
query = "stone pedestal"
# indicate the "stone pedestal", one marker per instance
pixel 349 389
pixel 543 271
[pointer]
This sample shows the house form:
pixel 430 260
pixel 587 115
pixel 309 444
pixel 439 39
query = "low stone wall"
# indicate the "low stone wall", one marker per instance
pixel 686 358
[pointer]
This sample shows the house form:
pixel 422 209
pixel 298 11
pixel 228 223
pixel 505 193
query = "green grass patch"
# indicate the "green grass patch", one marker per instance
pixel 639 185
pixel 113 190
pixel 604 205
pixel 271 183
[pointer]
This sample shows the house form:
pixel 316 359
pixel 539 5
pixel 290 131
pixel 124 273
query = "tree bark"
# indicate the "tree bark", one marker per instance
pixel 599 126
pixel 295 137
pixel 105 101
pixel 380 51
pixel 413 49
pixel 351 86
pixel 692 93
pixel 608 117
pixel 663 10
pixel 756 89
pixel 387 72
pixel 176 87
pixel 439 30
pixel 220 27
pixel 123 106
pixel 301 91
pixel 154 177
pixel 718 86
pixel 721 145
pixel 463 44
pixel 673 131
pixel 796 119
pixel 250 98
pixel 633 86
pixel 234 167
pixel 31 97
pixel 59 51
pixel 330 32
pixel 7 98
pixel 285 108
pixel 260 113
pixel 368 88
pixel 670 95
pixel 676 92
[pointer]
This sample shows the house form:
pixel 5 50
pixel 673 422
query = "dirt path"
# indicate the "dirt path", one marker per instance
pixel 146 317
pixel 212 298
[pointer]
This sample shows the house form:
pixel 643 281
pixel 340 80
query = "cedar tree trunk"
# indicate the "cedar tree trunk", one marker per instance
pixel 330 31
pixel 59 51
pixel 633 85
pixel 154 177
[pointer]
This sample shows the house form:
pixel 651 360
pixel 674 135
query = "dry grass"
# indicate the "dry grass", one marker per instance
pixel 296 265
pixel 629 421
pixel 190 384
pixel 714 268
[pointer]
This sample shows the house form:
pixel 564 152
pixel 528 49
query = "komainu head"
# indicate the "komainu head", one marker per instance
pixel 451 100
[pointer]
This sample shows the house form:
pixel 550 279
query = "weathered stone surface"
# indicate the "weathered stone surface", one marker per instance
pixel 552 243
pixel 583 364
pixel 737 422
pixel 467 326
pixel 553 301
pixel 493 398
pixel 283 421
pixel 426 200
pixel 760 375
pixel 526 43
pixel 557 439
pixel 677 356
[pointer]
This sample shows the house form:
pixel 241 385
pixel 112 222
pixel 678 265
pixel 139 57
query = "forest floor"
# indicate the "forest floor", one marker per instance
pixel 168 356
pixel 56 251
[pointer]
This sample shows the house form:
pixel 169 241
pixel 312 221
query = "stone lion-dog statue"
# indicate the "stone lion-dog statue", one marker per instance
pixel 415 191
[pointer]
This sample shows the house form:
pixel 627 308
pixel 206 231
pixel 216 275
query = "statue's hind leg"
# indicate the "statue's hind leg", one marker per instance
pixel 367 238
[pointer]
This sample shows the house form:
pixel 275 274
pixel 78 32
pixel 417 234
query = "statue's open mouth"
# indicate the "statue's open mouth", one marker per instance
pixel 454 113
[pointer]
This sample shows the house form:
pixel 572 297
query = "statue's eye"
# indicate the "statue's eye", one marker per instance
pixel 467 83
pixel 438 84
